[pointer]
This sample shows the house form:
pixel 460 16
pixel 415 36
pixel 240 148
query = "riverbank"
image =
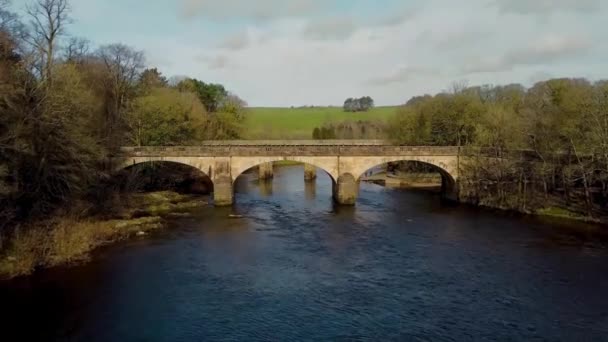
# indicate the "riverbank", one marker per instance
pixel 423 181
pixel 65 240
pixel 551 213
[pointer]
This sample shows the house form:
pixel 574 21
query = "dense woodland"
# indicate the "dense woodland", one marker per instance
pixel 528 149
pixel 66 104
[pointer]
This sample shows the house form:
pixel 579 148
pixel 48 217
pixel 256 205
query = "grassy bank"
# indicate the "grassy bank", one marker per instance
pixel 66 240
pixel 298 123
pixel 564 213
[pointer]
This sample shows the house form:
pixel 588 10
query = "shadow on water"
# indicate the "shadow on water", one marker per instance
pixel 399 265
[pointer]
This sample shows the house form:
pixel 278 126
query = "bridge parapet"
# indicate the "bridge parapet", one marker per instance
pixel 288 150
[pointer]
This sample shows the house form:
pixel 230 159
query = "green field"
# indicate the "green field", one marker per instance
pixel 298 123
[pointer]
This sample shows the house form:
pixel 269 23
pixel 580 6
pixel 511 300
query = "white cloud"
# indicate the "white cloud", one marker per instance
pixel 398 18
pixel 217 62
pixel 548 49
pixel 405 74
pixel 454 38
pixel 235 42
pixel 546 6
pixel 330 28
pixel 259 9
pixel 545 51
pixel 539 76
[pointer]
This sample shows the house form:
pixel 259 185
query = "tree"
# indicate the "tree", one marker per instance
pixel 418 99
pixel 152 78
pixel 226 110
pixel 76 50
pixel 63 111
pixel 350 130
pixel 46 139
pixel 211 95
pixel 348 105
pixel 166 117
pixel 47 23
pixel 367 103
pixel 123 66
pixel 9 21
pixel 223 126
pixel 234 105
pixel 362 104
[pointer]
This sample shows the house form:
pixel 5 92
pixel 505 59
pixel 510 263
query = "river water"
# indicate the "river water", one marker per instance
pixel 398 266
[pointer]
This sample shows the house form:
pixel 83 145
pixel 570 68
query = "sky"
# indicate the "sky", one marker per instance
pixel 320 52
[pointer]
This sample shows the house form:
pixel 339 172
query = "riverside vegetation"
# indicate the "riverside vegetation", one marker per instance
pixel 560 124
pixel 65 107
pixel 66 239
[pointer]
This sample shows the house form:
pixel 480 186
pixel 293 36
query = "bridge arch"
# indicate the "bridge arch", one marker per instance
pixel 178 175
pixel 197 163
pixel 327 164
pixel 448 170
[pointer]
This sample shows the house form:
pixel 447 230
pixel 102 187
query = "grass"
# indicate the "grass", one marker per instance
pixel 67 240
pixel 560 213
pixel 159 204
pixel 298 123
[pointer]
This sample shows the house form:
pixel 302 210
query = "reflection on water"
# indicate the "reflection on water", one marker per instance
pixel 398 266
pixel 310 189
pixel 265 187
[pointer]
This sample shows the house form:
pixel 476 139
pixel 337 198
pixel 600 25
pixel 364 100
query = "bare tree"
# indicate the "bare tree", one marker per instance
pixel 76 49
pixel 123 67
pixel 47 20
pixel 7 18
pixel 10 24
pixel 457 87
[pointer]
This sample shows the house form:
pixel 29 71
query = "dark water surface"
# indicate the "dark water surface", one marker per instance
pixel 398 266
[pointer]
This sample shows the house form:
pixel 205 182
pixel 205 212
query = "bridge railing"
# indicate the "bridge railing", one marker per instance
pixel 330 142
pixel 281 148
pixel 289 150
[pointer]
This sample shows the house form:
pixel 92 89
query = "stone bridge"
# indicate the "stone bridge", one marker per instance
pixel 345 161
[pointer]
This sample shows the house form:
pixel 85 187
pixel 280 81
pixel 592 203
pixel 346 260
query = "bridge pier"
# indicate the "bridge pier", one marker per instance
pixel 450 190
pixel 346 190
pixel 265 171
pixel 310 172
pixel 223 193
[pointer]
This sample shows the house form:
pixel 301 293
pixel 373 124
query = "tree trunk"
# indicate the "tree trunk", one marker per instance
pixel 588 200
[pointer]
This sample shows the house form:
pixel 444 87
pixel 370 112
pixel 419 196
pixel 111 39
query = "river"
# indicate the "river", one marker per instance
pixel 399 266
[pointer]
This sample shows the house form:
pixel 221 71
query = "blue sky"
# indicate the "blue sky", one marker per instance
pixel 297 52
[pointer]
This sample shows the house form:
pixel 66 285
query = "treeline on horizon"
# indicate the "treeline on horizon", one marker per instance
pixel 65 106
